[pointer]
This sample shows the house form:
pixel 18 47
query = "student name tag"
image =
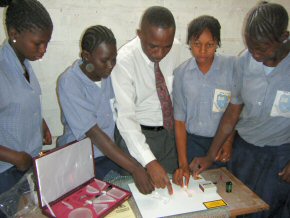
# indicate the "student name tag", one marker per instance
pixel 221 100
pixel 281 106
pixel 214 204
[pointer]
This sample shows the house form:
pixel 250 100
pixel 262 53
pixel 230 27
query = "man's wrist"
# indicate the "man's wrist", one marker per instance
pixel 151 164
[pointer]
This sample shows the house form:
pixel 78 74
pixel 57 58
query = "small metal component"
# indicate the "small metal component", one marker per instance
pixel 83 196
pixel 69 206
pixel 229 186
pixel 104 192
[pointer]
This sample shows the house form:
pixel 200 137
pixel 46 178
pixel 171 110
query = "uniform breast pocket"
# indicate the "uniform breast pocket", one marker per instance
pixel 221 100
pixel 10 119
pixel 281 105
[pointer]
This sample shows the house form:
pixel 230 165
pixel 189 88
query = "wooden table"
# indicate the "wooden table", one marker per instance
pixel 240 201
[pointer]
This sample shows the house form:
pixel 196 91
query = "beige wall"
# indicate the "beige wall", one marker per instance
pixel 72 17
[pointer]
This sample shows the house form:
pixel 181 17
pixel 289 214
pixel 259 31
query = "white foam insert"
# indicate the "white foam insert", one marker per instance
pixel 64 170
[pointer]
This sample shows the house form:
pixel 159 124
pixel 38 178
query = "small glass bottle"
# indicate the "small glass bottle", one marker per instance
pixel 229 186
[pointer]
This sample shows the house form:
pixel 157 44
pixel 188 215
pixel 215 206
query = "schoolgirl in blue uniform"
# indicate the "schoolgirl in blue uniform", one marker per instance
pixel 201 92
pixel 87 102
pixel 22 128
pixel 261 156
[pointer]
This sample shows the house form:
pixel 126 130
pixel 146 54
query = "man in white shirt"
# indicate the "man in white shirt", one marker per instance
pixel 140 118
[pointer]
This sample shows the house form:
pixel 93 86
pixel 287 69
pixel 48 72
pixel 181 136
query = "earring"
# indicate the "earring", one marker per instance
pixel 89 67
pixel 285 41
pixel 14 40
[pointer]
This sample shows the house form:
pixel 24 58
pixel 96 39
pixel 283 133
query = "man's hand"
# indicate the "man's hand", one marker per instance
pixel 225 152
pixel 180 174
pixel 22 161
pixel 142 181
pixel 285 174
pixel 200 164
pixel 159 176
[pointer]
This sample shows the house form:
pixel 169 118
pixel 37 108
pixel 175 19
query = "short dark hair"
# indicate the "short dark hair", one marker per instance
pixel 26 15
pixel 201 23
pixel 266 22
pixel 95 35
pixel 158 16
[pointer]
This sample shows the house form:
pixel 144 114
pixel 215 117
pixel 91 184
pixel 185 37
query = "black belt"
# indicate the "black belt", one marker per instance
pixel 152 128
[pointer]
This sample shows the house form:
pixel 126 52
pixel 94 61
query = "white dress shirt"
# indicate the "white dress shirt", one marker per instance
pixel 137 101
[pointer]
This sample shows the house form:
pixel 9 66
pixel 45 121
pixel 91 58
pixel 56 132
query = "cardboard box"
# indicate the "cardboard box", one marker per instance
pixel 207 187
pixel 66 184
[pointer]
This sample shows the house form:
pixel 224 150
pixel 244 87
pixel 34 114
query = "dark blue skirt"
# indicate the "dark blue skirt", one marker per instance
pixel 198 146
pixel 103 166
pixel 258 168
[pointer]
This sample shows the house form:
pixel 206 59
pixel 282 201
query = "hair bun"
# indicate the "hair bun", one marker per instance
pixel 4 3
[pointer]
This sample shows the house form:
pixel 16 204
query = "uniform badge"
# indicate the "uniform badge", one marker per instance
pixel 221 100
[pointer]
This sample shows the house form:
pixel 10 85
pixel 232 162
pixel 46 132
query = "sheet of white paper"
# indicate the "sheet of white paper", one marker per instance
pixel 160 203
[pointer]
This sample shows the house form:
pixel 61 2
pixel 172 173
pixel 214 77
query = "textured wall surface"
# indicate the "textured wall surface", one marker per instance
pixel 72 17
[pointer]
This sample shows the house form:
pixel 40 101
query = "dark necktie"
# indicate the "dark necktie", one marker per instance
pixel 164 98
